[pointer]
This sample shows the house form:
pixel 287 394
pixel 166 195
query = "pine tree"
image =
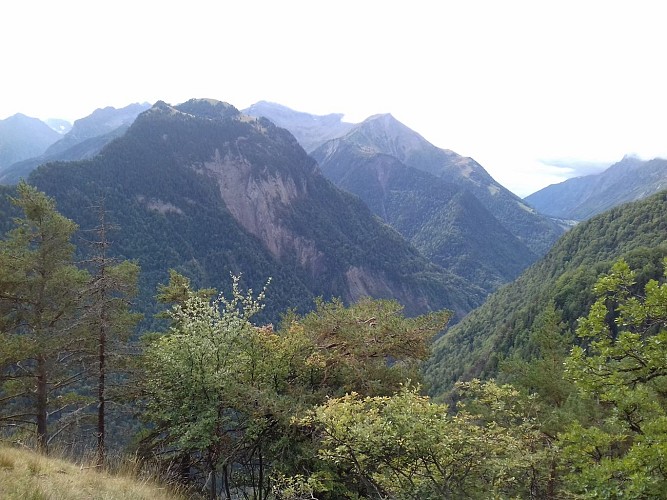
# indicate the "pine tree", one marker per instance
pixel 108 317
pixel 40 304
pixel 623 370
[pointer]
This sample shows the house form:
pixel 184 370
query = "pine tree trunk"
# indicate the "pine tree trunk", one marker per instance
pixel 101 431
pixel 42 406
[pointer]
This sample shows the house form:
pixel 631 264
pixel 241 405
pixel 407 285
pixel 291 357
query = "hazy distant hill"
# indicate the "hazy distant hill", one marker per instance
pixel 23 137
pixel 566 275
pixel 310 130
pixel 207 190
pixel 99 123
pixel 85 139
pixel 582 197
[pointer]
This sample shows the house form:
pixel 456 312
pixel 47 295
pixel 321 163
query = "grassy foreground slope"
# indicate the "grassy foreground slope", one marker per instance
pixel 26 475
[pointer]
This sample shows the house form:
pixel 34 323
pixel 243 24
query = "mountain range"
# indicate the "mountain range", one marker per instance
pixel 435 198
pixel 84 139
pixel 209 191
pixel 580 198
pixel 445 204
pixel 466 234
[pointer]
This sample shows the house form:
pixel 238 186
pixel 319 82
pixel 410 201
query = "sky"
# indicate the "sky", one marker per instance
pixel 535 91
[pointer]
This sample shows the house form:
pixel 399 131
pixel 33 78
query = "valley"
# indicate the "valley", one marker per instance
pixel 298 305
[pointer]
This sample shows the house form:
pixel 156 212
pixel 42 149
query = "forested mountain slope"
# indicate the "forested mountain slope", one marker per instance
pixel 383 134
pixel 206 190
pixel 565 276
pixel 446 222
pixel 446 205
pixel 580 198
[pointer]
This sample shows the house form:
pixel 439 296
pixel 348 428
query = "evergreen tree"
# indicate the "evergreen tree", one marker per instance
pixel 40 305
pixel 108 317
pixel 622 368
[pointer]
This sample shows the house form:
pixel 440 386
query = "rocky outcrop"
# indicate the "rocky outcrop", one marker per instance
pixel 257 203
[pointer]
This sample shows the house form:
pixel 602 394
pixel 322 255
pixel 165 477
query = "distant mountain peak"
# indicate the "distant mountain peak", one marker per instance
pixel 86 138
pixel 22 137
pixel 311 131
pixel 383 134
pixel 273 109
pixel 388 121
pixel 161 107
pixel 100 122
pixel 18 117
pixel 59 125
pixel 386 117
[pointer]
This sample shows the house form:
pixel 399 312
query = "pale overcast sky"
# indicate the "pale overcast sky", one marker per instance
pixel 530 89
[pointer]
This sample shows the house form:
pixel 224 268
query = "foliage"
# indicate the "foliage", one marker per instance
pixel 624 368
pixel 542 373
pixel 368 347
pixel 222 393
pixel 405 446
pixel 204 379
pixel 61 326
pixel 501 327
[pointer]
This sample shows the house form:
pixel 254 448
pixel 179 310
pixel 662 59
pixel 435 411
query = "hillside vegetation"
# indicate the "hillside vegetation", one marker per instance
pixel 636 232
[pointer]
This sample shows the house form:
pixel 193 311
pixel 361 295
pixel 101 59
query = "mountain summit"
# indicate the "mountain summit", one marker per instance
pixel 310 130
pixel 384 134
pixel 447 205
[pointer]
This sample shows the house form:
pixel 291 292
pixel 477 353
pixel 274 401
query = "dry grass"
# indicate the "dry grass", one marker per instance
pixel 26 475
